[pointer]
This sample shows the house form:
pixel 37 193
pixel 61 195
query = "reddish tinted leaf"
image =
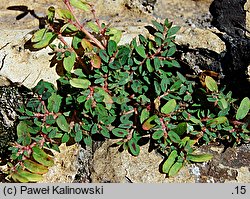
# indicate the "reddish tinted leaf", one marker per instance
pixel 96 61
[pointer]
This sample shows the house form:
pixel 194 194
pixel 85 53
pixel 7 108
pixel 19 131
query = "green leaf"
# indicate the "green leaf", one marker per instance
pixel 157 87
pixel 87 46
pixel 114 34
pixel 38 35
pixel 182 78
pixel 107 99
pixel 243 109
pixel 77 40
pixel 51 14
pixel 157 134
pixel 176 85
pixel 144 115
pixel 80 4
pixel 80 83
pixel 211 84
pixel 149 66
pixel 88 140
pixel 31 177
pixel 105 132
pixel 166 23
pixel 93 26
pixel 171 51
pixel 159 35
pixel 18 178
pixel 95 61
pixel 40 156
pixel 65 138
pixel 157 63
pixel 133 147
pixel 169 107
pixel 218 120
pixel 147 124
pixel 69 61
pixel 223 103
pixel 199 157
pixel 65 14
pixel 23 134
pixel 46 39
pixel 168 163
pixel 175 169
pixel 142 39
pixel 174 137
pixel 104 56
pixel 141 51
pixel 181 128
pixel 54 103
pixel 78 136
pixel 112 47
pixel 68 29
pixel 158 25
pixel 62 123
pixel 118 132
pixel 173 30
pixel 35 167
pixel 164 84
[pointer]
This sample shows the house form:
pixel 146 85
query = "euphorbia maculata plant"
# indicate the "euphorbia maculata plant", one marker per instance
pixel 133 93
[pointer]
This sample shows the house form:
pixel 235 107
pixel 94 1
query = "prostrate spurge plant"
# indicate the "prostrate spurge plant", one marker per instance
pixel 132 93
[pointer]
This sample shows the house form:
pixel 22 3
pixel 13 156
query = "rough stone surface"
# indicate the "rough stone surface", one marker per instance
pixel 200 38
pixel 232 22
pixel 65 167
pixel 110 165
pixel 247 9
pixel 20 64
pixel 73 164
pixel 11 97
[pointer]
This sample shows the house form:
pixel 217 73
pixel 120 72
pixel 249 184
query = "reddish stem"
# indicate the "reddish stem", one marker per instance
pixel 79 26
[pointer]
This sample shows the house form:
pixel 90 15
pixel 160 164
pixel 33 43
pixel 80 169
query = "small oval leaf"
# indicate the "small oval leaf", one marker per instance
pixel 144 115
pixel 87 46
pixel 133 147
pixel 118 132
pixel 174 137
pixel 69 61
pixel 80 4
pixel 141 51
pixel 199 157
pixel 157 134
pixel 96 61
pixel 211 84
pixel 32 177
pixel 62 123
pixel 243 109
pixel 175 169
pixel 35 167
pixel 169 107
pixel 218 120
pixel 169 161
pixel 47 38
pixel 80 83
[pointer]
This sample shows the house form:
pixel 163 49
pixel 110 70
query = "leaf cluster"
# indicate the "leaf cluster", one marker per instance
pixel 134 93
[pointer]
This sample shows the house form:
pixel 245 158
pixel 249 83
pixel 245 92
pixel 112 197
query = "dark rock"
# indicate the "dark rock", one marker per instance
pixel 203 59
pixel 226 163
pixel 11 96
pixel 229 16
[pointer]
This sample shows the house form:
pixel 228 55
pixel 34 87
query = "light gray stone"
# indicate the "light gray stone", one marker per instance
pixel 21 65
